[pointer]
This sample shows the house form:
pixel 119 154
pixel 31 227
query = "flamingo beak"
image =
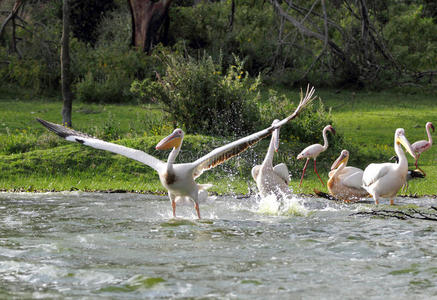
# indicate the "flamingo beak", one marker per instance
pixel 401 139
pixel 333 130
pixel 432 127
pixel 174 140
pixel 341 159
pixel 276 139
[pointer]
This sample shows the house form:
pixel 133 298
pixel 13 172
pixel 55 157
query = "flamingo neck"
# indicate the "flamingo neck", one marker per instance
pixel 325 140
pixel 429 135
pixel 268 160
pixel 403 161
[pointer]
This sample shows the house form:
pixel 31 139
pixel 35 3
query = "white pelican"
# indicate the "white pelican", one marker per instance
pixel 269 179
pixel 314 150
pixel 385 180
pixel 411 174
pixel 345 182
pixel 423 145
pixel 179 179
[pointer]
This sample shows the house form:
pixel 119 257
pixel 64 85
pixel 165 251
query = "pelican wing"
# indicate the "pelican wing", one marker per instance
pixel 222 154
pixel 374 172
pixel 282 171
pixel 353 179
pixel 84 139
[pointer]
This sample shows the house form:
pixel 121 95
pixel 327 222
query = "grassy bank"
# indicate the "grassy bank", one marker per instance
pixel 33 159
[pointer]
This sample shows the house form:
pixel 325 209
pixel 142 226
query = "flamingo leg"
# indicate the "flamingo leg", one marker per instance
pixel 418 155
pixel 315 169
pixel 303 171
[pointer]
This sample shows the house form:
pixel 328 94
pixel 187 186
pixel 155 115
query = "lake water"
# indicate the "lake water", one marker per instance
pixel 121 246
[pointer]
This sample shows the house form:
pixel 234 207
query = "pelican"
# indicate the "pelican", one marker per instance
pixel 314 150
pixel 411 174
pixel 345 182
pixel 269 179
pixel 385 180
pixel 421 146
pixel 179 179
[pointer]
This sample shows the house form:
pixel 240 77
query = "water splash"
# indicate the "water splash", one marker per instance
pixel 282 205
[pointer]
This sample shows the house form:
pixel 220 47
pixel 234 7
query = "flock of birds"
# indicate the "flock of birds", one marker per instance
pixel 345 182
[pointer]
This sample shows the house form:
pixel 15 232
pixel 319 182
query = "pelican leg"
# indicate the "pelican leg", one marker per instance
pixel 303 171
pixel 376 198
pixel 173 203
pixel 195 197
pixel 315 169
pixel 196 206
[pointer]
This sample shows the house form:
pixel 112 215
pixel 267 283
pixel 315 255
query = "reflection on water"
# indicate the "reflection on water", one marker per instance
pixel 128 246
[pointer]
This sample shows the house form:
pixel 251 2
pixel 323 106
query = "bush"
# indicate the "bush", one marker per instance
pixel 201 99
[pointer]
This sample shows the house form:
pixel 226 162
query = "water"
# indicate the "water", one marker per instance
pixel 121 246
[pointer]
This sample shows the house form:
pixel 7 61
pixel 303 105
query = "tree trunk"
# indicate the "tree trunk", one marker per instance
pixel 147 18
pixel 65 66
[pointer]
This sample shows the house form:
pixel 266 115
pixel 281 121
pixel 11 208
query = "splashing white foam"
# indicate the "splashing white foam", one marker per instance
pixel 283 205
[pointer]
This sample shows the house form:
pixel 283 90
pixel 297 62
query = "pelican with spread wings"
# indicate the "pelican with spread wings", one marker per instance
pixel 179 179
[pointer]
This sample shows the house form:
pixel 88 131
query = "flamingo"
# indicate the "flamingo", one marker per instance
pixel 385 180
pixel 269 179
pixel 345 182
pixel 179 179
pixel 314 150
pixel 421 146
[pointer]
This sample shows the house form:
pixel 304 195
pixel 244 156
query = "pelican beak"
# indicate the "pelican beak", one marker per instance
pixel 341 159
pixel 401 139
pixel 276 139
pixel 174 140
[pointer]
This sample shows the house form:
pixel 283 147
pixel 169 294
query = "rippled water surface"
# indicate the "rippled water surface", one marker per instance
pixel 118 246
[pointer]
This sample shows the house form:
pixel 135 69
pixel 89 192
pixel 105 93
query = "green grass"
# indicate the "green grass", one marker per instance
pixel 365 119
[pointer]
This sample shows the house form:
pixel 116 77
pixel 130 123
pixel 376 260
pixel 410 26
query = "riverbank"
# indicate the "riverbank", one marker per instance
pixel 39 160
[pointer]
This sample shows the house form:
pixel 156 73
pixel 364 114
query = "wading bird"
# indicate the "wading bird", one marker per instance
pixel 179 179
pixel 345 182
pixel 411 174
pixel 384 180
pixel 421 146
pixel 314 150
pixel 271 180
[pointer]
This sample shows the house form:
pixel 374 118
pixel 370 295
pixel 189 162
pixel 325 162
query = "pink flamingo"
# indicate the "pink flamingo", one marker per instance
pixel 314 150
pixel 421 146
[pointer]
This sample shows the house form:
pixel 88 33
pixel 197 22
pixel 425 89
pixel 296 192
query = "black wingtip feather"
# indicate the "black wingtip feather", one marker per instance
pixel 60 130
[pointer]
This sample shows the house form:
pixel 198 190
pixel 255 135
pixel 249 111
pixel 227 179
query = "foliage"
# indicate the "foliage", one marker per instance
pixel 412 38
pixel 201 99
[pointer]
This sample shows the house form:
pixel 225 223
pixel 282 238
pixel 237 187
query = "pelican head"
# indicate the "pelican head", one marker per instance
pixel 401 139
pixel 429 124
pixel 343 158
pixel 174 140
pixel 276 135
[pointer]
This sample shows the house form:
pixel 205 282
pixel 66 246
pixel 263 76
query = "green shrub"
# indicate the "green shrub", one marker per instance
pixel 201 99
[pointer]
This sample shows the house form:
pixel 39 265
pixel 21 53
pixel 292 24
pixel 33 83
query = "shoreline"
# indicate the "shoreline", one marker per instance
pixel 121 191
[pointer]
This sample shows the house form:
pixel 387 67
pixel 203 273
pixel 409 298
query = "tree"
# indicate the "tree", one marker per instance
pixel 67 95
pixel 357 50
pixel 147 18
pixel 13 15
